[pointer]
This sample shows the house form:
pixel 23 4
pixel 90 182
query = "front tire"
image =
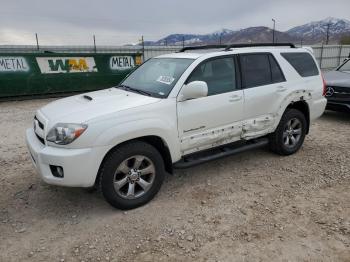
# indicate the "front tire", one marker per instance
pixel 132 175
pixel 290 133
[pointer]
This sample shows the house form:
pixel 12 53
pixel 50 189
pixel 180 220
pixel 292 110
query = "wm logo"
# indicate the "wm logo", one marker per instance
pixel 68 65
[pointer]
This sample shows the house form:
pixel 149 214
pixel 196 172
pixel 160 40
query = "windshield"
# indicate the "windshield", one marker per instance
pixel 157 76
pixel 345 67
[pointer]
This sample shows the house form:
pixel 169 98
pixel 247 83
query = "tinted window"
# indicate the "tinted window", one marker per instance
pixel 276 72
pixel 255 70
pixel 303 63
pixel 219 74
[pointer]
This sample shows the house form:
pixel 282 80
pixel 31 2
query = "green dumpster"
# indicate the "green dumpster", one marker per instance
pixel 33 74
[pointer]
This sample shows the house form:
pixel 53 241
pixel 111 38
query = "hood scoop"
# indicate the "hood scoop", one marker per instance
pixel 87 97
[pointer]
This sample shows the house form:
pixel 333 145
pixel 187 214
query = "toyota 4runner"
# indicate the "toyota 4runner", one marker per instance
pixel 175 111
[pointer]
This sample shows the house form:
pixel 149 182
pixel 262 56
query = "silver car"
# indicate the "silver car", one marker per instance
pixel 338 87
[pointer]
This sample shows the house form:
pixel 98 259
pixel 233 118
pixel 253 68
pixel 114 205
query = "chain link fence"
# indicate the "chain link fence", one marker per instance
pixel 330 56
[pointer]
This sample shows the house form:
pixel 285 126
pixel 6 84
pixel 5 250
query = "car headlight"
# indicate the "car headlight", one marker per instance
pixel 63 134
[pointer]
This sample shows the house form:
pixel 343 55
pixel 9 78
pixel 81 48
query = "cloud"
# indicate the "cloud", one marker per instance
pixel 118 22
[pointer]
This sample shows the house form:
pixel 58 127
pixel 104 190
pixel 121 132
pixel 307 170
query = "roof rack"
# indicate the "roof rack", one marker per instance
pixel 201 47
pixel 228 47
pixel 291 45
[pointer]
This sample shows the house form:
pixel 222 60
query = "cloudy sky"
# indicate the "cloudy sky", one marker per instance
pixel 120 22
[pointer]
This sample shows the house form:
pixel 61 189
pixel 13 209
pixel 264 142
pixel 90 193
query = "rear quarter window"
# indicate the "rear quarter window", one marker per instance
pixel 303 63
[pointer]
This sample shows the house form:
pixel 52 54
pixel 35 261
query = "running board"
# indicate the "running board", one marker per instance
pixel 221 152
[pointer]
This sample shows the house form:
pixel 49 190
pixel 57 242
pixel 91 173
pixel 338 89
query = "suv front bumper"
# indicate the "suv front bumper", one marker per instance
pixel 80 166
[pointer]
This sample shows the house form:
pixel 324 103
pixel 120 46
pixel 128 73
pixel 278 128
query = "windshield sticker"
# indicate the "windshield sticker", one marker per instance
pixel 166 79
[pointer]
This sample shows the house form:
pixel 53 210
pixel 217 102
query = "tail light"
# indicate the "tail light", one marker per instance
pixel 324 86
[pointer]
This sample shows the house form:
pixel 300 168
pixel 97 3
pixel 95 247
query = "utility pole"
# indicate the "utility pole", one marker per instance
pixel 327 36
pixel 37 41
pixel 94 44
pixel 220 39
pixel 273 30
pixel 183 42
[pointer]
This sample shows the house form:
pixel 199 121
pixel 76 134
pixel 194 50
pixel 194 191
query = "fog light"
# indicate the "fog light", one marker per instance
pixel 57 171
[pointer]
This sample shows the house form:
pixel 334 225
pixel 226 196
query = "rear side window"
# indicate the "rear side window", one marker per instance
pixel 219 74
pixel 303 63
pixel 276 72
pixel 260 69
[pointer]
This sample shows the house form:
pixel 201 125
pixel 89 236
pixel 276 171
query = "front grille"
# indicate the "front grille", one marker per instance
pixel 41 125
pixel 40 139
pixel 338 93
pixel 39 129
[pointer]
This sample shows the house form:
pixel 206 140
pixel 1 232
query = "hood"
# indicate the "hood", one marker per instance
pixel 84 107
pixel 337 78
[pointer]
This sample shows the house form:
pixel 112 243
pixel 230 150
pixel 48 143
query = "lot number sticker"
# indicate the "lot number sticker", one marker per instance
pixel 166 79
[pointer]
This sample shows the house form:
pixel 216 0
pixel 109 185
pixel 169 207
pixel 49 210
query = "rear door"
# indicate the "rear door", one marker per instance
pixel 215 119
pixel 264 87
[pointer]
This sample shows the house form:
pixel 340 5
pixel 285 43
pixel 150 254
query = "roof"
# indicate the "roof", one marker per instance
pixel 181 55
pixel 195 54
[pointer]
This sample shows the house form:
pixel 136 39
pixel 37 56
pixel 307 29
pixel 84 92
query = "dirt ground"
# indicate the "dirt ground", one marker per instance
pixel 255 206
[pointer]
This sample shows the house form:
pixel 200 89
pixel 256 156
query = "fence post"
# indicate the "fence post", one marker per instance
pixel 37 41
pixel 95 44
pixel 321 58
pixel 339 57
pixel 143 48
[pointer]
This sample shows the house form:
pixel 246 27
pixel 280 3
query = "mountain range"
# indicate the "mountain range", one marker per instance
pixel 310 33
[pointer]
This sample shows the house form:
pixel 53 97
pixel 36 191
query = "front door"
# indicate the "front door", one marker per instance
pixel 215 119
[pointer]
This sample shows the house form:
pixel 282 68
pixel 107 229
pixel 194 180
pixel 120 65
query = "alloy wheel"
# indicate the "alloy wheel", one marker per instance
pixel 134 177
pixel 292 132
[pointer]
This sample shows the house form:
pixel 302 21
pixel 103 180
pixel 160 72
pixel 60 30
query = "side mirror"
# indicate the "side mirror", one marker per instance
pixel 195 89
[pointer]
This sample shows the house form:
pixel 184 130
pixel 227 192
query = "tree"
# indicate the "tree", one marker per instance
pixel 345 40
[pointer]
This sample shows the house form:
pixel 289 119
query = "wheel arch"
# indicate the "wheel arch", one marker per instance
pixel 303 107
pixel 153 140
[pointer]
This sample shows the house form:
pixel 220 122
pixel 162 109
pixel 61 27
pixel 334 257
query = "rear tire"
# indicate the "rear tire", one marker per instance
pixel 290 133
pixel 132 175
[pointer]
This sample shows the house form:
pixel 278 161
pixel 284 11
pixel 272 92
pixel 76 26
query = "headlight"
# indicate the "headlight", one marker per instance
pixel 63 134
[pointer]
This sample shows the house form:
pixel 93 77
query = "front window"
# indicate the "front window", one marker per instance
pixel 157 76
pixel 218 73
pixel 345 67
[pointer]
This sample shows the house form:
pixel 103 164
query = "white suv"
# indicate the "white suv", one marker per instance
pixel 175 111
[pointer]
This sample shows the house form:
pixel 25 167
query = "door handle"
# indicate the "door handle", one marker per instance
pixel 281 88
pixel 234 98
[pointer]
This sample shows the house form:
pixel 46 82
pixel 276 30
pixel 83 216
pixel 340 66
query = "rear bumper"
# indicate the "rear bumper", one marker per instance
pixel 80 166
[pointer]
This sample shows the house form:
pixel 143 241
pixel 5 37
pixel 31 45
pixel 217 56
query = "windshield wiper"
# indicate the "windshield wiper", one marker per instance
pixel 131 89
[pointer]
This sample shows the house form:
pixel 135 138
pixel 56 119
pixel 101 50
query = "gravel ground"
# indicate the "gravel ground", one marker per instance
pixel 255 206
